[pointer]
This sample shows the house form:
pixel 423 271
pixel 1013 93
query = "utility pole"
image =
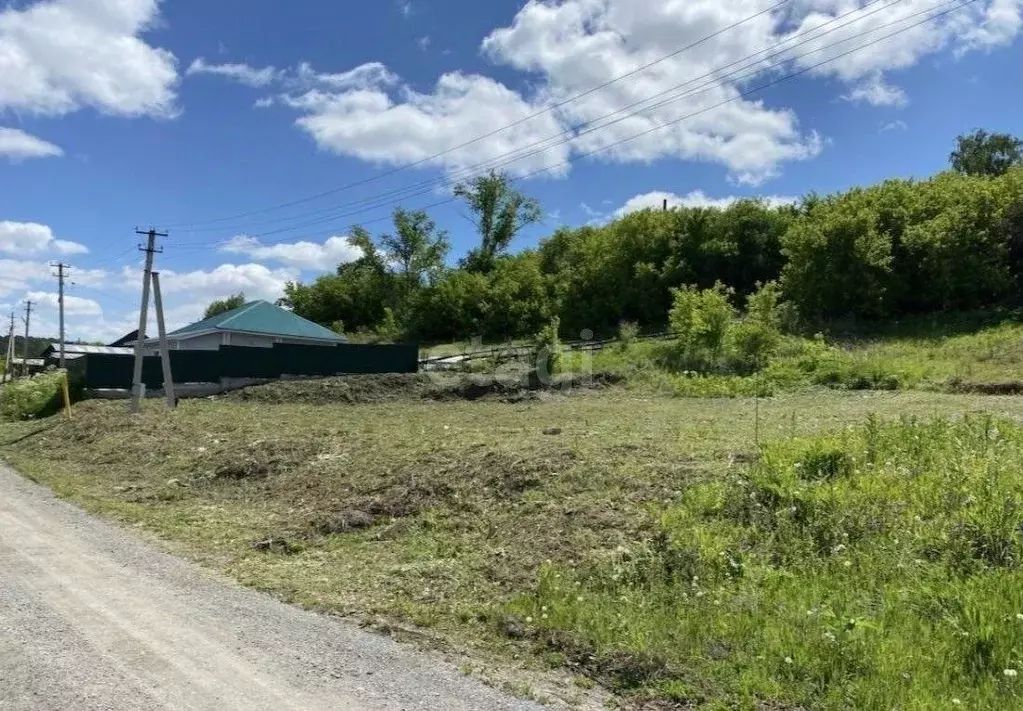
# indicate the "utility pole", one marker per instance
pixel 9 360
pixel 28 317
pixel 62 272
pixel 168 376
pixel 150 249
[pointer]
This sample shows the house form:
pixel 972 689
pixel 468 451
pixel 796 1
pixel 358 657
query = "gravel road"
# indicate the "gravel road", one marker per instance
pixel 91 618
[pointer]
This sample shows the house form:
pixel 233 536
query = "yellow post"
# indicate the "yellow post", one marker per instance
pixel 67 395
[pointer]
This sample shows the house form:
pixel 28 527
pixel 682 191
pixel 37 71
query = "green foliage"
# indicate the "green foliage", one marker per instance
pixel 549 352
pixel 388 330
pixel 224 305
pixel 501 212
pixel 898 248
pixel 986 154
pixel 416 247
pixel 628 331
pixel 28 398
pixel 878 568
pixel 700 319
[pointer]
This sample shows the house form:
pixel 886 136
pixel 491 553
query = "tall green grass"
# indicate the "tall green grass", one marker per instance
pixel 878 568
pixel 38 396
pixel 941 362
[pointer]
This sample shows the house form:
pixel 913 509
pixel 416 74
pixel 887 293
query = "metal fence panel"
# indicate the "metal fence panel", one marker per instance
pixel 104 370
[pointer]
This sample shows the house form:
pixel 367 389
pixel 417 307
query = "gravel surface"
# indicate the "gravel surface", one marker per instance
pixel 91 618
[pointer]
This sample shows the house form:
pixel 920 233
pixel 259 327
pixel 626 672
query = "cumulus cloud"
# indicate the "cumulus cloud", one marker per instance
pixel 29 238
pixel 567 47
pixel 696 198
pixel 58 56
pixel 17 145
pixel 73 305
pixel 241 73
pixel 302 255
pixel 876 92
pixel 203 286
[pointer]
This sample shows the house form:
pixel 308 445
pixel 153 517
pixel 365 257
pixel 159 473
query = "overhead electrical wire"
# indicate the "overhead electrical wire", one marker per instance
pixel 496 131
pixel 957 4
pixel 574 133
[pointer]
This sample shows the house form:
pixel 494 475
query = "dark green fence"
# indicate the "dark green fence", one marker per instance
pixel 115 371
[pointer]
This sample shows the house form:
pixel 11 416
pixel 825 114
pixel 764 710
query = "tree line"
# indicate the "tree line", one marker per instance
pixel 953 241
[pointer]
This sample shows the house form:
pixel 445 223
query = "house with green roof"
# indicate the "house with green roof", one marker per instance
pixel 257 324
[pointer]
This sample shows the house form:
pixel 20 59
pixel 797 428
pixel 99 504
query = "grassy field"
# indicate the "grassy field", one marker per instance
pixel 867 555
pixel 940 358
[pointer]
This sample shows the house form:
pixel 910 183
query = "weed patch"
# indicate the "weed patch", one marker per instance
pixel 877 568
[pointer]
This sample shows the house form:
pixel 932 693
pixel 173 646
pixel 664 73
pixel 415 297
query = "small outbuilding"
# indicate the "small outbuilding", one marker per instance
pixel 257 324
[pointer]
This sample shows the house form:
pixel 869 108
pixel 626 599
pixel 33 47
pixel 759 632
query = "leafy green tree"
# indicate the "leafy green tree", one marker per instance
pixel 356 295
pixel 983 153
pixel 839 263
pixel 222 306
pixel 501 212
pixel 416 246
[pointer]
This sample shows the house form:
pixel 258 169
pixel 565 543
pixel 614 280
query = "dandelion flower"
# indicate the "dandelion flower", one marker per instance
pixel 847 564
pixel 1011 673
pixel 788 660
pixel 956 702
pixel 1019 616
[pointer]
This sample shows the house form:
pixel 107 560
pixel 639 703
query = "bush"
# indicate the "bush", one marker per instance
pixel 38 396
pixel 548 345
pixel 700 319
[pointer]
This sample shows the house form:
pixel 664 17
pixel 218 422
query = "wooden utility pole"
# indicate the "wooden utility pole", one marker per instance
pixel 62 272
pixel 150 249
pixel 168 376
pixel 28 317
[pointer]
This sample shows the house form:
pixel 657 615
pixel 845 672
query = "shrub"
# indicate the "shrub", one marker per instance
pixel 39 396
pixel 548 345
pixel 700 318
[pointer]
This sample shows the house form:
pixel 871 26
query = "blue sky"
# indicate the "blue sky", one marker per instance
pixel 117 113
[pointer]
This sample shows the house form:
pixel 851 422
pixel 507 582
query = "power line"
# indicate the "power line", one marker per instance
pixel 574 133
pixel 741 95
pixel 477 139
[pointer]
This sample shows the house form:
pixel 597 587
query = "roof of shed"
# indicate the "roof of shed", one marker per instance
pixel 83 348
pixel 262 317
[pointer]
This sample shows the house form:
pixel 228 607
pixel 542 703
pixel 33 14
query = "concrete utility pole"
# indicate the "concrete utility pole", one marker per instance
pixel 150 249
pixel 28 317
pixel 62 272
pixel 168 376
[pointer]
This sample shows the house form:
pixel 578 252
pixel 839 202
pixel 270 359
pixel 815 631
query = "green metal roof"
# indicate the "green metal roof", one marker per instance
pixel 262 317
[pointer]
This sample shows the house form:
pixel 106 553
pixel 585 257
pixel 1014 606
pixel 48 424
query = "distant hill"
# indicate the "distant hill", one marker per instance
pixel 36 345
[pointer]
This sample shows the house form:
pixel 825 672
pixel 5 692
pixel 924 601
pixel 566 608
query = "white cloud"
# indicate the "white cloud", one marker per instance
pixel 57 56
pixel 405 8
pixel 73 305
pixel 876 92
pixel 29 238
pixel 17 145
pixel 241 73
pixel 424 42
pixel 571 46
pixel 201 286
pixel 16 275
pixel 897 125
pixel 302 255
pixel 370 124
pixel 696 198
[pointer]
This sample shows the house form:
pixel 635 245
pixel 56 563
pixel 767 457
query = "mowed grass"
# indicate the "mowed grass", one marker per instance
pixel 868 556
